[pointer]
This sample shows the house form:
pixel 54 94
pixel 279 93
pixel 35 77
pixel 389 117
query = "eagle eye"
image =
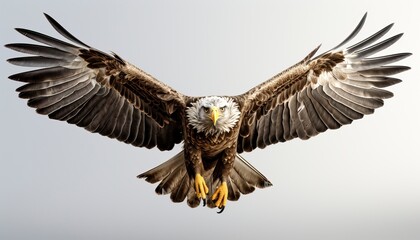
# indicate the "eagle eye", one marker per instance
pixel 222 109
pixel 206 109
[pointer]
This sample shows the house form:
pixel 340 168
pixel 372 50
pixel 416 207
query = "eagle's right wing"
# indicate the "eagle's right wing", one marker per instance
pixel 320 93
pixel 97 91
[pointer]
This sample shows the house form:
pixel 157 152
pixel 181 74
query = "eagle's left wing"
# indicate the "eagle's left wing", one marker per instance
pixel 100 92
pixel 320 93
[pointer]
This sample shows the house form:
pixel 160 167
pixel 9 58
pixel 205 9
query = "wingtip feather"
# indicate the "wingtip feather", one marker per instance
pixel 21 31
pixel 47 15
pixel 14 77
pixel 60 29
pixel 364 16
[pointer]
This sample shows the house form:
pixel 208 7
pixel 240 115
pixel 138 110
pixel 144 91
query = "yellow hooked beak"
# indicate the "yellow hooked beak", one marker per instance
pixel 214 115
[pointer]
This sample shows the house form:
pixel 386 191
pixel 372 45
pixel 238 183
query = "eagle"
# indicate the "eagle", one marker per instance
pixel 105 94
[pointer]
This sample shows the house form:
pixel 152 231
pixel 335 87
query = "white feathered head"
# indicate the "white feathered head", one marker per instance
pixel 213 115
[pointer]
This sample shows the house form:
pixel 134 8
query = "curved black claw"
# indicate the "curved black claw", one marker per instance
pixel 204 202
pixel 221 209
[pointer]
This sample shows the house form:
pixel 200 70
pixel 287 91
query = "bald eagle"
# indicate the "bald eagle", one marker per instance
pixel 103 93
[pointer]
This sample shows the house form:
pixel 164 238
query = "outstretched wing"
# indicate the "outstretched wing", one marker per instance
pixel 97 91
pixel 320 93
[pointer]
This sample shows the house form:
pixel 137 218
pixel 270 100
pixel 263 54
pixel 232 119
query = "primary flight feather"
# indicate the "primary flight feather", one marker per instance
pixel 103 93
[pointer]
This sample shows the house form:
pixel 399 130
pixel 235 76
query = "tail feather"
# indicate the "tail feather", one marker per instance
pixel 250 174
pixel 192 199
pixel 156 174
pixel 241 184
pixel 180 192
pixel 233 191
pixel 175 180
pixel 172 181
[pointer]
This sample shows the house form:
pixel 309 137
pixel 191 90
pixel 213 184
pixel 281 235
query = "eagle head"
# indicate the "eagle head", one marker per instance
pixel 213 115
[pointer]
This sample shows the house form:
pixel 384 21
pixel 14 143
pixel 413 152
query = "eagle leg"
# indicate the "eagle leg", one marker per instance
pixel 221 195
pixel 201 188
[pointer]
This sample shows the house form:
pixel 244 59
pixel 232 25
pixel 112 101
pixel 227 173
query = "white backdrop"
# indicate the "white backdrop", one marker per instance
pixel 360 182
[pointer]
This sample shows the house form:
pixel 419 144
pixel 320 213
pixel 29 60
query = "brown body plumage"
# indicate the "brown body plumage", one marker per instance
pixel 104 93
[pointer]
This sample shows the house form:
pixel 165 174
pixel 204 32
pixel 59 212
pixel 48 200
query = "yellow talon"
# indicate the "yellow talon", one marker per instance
pixel 221 195
pixel 201 188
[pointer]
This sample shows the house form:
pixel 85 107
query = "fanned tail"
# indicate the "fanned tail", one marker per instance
pixel 175 180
